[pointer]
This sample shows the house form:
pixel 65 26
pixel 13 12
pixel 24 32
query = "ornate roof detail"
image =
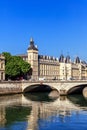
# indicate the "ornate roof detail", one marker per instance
pixel 67 60
pixel 77 60
pixel 2 57
pixel 31 40
pixel 61 59
pixel 32 46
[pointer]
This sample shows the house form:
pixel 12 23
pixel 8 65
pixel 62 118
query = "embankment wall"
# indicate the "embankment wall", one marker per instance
pixel 10 87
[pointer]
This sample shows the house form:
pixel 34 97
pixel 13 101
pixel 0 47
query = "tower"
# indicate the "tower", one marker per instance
pixel 33 59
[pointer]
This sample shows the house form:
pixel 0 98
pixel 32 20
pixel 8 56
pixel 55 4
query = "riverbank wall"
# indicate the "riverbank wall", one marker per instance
pixel 10 87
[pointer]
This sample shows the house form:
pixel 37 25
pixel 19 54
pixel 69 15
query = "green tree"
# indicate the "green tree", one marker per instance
pixel 7 56
pixel 15 66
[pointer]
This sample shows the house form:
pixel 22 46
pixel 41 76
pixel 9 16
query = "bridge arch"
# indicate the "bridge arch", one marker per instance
pixel 39 88
pixel 78 89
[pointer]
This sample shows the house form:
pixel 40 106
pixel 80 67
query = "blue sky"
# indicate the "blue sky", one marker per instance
pixel 57 26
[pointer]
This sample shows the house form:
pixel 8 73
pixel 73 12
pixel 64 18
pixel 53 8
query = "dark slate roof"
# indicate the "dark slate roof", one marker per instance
pixel 67 59
pixel 32 46
pixel 77 60
pixel 83 62
pixel 61 59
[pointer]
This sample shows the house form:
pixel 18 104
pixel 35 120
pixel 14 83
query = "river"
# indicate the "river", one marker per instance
pixel 40 111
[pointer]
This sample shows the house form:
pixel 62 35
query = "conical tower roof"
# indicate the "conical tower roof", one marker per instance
pixel 61 59
pixel 32 46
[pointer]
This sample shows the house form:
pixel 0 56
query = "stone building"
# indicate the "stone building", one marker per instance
pixel 51 68
pixel 2 67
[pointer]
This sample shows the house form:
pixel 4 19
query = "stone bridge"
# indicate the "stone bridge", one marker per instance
pixel 63 87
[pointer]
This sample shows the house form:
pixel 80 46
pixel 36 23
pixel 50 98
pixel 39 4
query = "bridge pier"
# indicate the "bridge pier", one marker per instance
pixel 62 92
pixel 85 92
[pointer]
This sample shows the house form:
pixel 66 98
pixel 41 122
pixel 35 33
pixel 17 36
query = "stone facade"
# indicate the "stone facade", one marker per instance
pixel 50 68
pixel 2 67
pixel 33 59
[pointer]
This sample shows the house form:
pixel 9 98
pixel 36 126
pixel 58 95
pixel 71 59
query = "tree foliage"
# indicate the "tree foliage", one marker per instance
pixel 15 66
pixel 7 56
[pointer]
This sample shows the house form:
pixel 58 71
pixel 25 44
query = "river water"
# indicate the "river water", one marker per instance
pixel 41 111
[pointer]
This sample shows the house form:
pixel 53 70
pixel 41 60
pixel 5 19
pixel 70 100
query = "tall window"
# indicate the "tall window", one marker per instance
pixel 2 76
pixel 2 65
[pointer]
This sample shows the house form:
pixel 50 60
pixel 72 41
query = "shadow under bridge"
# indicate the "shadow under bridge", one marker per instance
pixel 77 89
pixel 39 88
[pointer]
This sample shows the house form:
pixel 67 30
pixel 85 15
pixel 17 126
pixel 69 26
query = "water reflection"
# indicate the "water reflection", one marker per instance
pixel 41 97
pixel 78 100
pixel 28 112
